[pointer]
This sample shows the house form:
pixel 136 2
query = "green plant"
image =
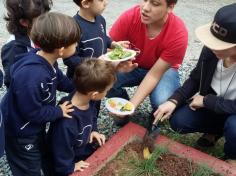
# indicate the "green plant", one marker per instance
pixel 204 170
pixel 190 140
pixel 148 167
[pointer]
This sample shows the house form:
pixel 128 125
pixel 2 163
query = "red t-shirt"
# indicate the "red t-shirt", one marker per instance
pixel 170 44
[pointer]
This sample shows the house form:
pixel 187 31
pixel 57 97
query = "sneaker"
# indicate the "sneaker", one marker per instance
pixel 208 140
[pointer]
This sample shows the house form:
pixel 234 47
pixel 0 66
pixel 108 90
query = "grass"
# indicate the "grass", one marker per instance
pixel 148 167
pixel 204 171
pixel 190 140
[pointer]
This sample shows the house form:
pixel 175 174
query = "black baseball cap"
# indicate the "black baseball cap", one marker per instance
pixel 221 33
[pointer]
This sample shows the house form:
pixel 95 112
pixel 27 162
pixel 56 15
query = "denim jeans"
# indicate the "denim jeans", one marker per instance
pixel 163 90
pixel 185 120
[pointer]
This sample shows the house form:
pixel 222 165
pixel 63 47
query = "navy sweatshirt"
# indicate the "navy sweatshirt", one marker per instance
pixel 68 138
pixel 93 43
pixel 17 45
pixel 30 101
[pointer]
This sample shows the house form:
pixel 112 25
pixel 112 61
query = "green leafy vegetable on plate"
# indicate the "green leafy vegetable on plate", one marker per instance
pixel 119 53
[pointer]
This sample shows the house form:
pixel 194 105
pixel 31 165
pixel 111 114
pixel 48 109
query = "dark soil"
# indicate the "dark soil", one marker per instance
pixel 171 165
pixel 168 164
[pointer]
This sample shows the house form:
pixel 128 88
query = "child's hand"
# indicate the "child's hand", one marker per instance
pixel 79 166
pixel 99 137
pixel 66 108
pixel 124 44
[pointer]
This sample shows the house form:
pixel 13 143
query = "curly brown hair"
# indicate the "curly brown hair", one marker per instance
pixel 24 9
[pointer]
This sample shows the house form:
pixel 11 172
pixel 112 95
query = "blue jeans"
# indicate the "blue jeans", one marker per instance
pixel 185 120
pixel 163 90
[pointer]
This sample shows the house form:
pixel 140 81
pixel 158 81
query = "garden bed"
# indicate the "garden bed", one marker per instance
pixel 133 132
pixel 130 162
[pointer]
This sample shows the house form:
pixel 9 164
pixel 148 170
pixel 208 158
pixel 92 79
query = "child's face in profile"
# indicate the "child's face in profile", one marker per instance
pixel 98 6
pixel 69 51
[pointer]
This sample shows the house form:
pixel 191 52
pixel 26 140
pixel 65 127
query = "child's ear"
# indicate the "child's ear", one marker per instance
pixel 85 4
pixel 94 95
pixel 61 51
pixel 24 22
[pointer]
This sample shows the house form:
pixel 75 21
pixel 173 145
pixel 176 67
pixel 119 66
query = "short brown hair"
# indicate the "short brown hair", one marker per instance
pixel 78 2
pixel 94 75
pixel 53 30
pixel 170 2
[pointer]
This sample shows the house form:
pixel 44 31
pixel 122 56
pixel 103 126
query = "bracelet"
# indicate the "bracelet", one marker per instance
pixel 172 101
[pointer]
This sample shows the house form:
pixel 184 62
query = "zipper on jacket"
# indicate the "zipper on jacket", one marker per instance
pixel 200 84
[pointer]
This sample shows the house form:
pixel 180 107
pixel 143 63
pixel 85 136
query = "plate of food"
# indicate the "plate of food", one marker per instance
pixel 119 106
pixel 119 54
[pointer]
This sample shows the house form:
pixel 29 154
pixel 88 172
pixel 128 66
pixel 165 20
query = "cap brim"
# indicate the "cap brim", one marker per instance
pixel 204 34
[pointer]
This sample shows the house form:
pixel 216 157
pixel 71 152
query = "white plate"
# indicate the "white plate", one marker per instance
pixel 120 60
pixel 119 102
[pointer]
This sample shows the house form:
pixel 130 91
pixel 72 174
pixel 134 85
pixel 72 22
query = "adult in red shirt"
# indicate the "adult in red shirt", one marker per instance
pixel 162 39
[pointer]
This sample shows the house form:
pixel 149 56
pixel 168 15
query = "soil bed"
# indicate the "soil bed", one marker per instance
pixel 130 162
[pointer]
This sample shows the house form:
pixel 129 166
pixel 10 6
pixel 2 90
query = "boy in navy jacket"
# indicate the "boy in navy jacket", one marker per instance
pixel 30 101
pixel 94 41
pixel 71 139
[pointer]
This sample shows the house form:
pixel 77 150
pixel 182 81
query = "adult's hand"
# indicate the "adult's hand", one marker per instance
pixel 197 102
pixel 126 66
pixel 164 111
pixel 124 44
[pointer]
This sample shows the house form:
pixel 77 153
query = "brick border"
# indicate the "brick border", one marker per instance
pixel 131 131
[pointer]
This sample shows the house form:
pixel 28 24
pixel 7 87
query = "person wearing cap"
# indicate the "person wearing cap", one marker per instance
pixel 206 102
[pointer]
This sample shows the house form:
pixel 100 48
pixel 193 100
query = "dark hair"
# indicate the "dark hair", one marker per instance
pixel 170 2
pixel 53 30
pixel 94 75
pixel 78 2
pixel 24 9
